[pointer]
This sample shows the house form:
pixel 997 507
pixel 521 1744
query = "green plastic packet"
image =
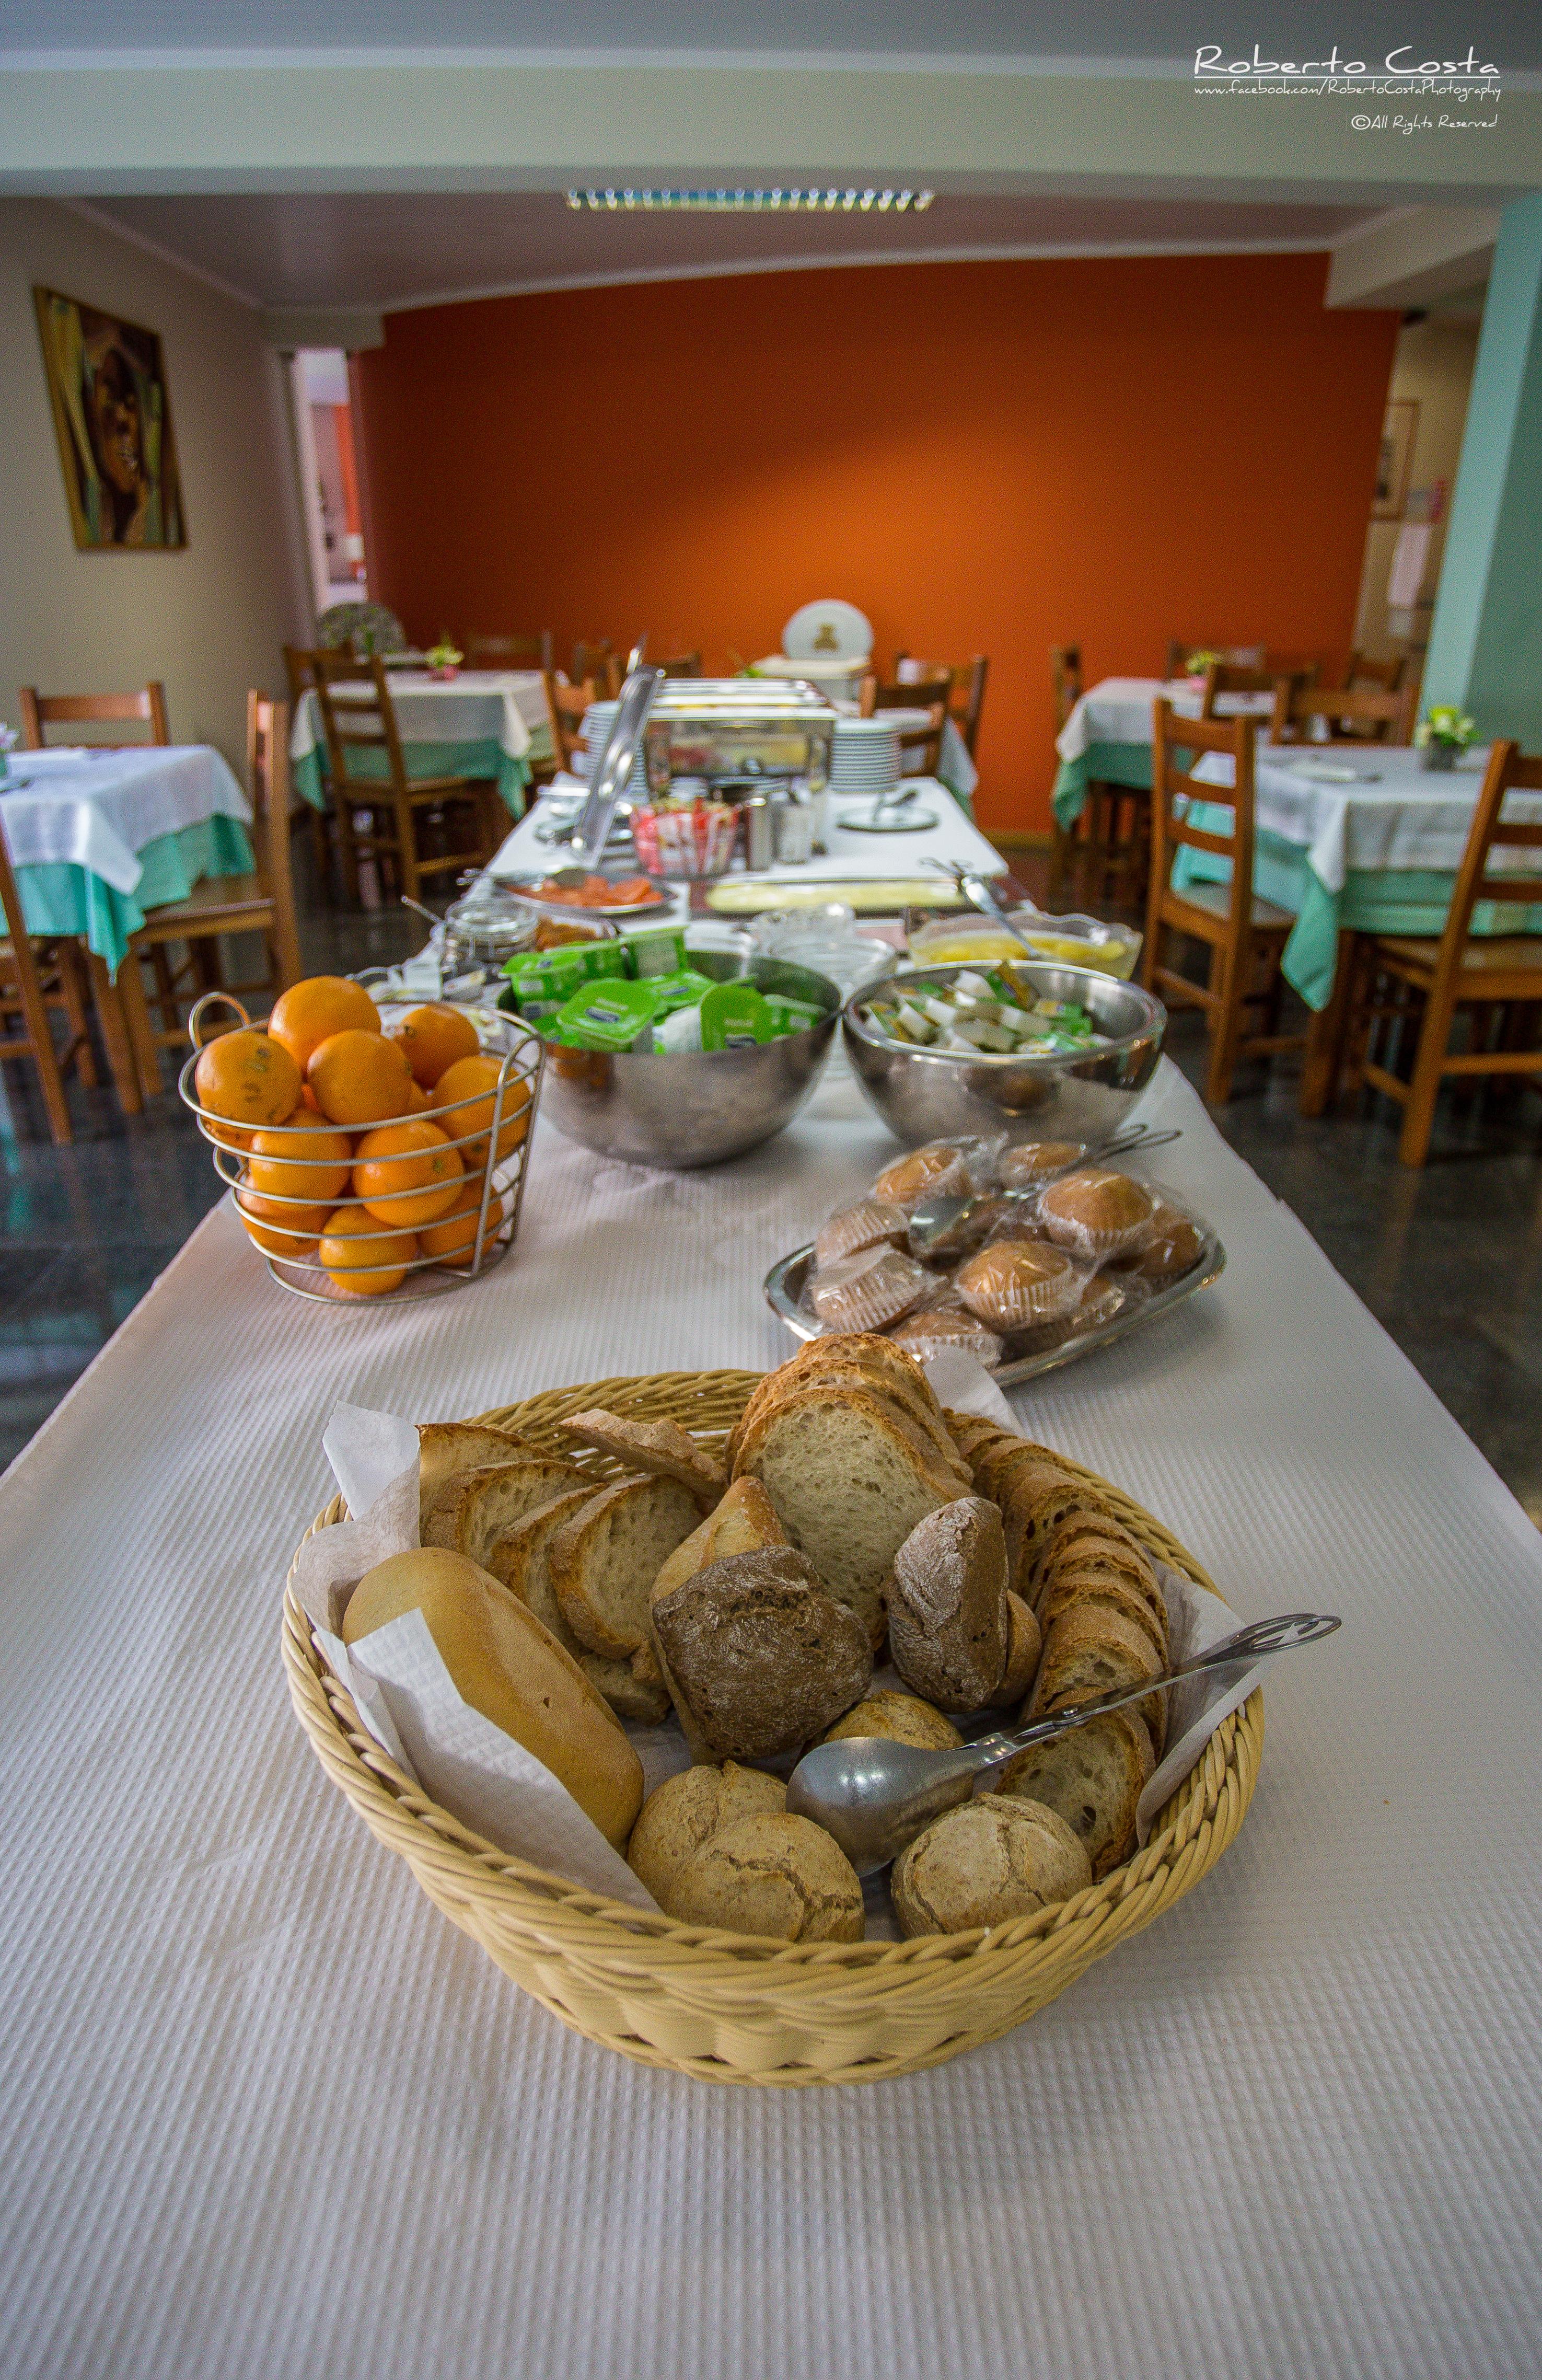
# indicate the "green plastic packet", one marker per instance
pixel 686 989
pixel 610 1016
pixel 791 1015
pixel 735 1016
pixel 660 951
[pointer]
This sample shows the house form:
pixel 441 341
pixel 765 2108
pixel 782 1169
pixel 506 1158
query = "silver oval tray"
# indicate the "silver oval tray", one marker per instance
pixel 786 1280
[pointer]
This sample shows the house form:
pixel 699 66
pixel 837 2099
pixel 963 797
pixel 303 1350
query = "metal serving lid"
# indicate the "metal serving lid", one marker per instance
pixel 611 772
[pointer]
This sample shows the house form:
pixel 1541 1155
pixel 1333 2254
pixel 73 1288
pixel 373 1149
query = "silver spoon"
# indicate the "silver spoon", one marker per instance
pixel 875 1796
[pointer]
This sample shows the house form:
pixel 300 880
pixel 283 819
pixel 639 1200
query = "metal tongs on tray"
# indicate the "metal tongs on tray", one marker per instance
pixel 612 773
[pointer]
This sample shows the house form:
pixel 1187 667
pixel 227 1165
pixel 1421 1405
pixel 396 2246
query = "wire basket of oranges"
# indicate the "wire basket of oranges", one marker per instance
pixel 375 1148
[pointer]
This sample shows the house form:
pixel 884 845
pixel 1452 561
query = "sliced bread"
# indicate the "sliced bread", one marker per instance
pixel 474 1508
pixel 447 1447
pixel 659 1448
pixel 1089 1541
pixel 1022 1646
pixel 1088 1653
pixel 868 1350
pixel 868 1382
pixel 742 1523
pixel 1093 1778
pixel 848 1480
pixel 1073 1588
pixel 605 1558
pixel 519 1558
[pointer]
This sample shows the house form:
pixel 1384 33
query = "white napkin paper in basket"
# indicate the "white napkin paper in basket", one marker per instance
pixel 407 1700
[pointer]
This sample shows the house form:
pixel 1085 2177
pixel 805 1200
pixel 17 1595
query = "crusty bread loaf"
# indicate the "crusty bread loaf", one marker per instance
pixel 685 1811
pixel 474 1507
pixel 509 1668
pixel 1090 1652
pixel 742 1523
pixel 997 1858
pixel 1023 1646
pixel 656 1448
pixel 446 1447
pixel 947 1605
pixel 848 1482
pixel 519 1558
pixel 771 1874
pixel 604 1560
pixel 1093 1778
pixel 758 1657
pixel 900 1718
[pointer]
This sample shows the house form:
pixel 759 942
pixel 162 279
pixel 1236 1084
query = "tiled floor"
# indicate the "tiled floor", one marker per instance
pixel 1450 1261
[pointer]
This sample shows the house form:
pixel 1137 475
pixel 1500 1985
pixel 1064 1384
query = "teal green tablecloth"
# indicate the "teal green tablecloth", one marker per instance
pixel 60 898
pixel 1104 764
pixel 485 758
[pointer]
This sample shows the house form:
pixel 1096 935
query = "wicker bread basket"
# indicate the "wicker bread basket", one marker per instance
pixel 737 2007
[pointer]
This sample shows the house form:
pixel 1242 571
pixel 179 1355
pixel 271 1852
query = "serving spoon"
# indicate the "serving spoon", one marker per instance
pixel 875 1796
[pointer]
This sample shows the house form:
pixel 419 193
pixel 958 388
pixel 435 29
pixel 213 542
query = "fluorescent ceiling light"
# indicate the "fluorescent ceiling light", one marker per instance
pixel 751 202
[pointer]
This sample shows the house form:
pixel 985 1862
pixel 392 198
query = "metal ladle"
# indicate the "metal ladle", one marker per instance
pixel 875 1796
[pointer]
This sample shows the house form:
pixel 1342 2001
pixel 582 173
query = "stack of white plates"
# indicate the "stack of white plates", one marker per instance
pixel 867 757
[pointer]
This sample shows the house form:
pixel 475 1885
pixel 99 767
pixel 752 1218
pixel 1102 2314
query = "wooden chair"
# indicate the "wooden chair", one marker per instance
pixel 41 710
pixel 928 694
pixel 1349 715
pixel 601 662
pixel 966 699
pixel 510 652
pixel 565 707
pixel 1104 855
pixel 1245 936
pixel 263 904
pixel 1388 675
pixel 378 818
pixel 300 668
pixel 1234 656
pixel 1398 975
pixel 1230 677
pixel 36 975
pixel 1065 673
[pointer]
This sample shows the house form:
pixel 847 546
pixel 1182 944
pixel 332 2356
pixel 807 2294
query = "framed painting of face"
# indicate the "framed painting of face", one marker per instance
pixel 111 414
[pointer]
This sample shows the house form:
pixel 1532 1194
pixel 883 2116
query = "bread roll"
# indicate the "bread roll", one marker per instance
pixel 995 1859
pixel 948 1622
pixel 685 1811
pixel 1093 1778
pixel 513 1670
pixel 759 1659
pixel 900 1718
pixel 777 1875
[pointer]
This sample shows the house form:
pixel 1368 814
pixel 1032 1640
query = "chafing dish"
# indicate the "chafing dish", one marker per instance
pixel 718 728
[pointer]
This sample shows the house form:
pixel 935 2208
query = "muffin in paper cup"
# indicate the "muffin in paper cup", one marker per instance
pixel 1013 1283
pixel 867 1292
pixel 945 1230
pixel 929 1329
pixel 1099 1212
pixel 1034 1162
pixel 1173 1247
pixel 872 1222
pixel 1102 1296
pixel 940 1169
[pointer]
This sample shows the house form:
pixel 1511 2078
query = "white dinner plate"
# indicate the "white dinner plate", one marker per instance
pixel 828 630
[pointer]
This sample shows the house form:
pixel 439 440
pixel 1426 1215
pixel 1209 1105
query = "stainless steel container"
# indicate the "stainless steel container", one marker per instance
pixel 728 727
pixel 759 821
pixel 1079 1095
pixel 699 1109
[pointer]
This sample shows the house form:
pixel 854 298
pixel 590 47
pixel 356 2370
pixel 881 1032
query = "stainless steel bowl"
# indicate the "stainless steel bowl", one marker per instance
pixel 932 1094
pixel 695 1109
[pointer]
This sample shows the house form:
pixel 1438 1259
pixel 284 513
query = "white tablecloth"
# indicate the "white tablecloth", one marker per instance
pixel 1118 710
pixel 99 811
pixel 1397 813
pixel 268 2113
pixel 477 707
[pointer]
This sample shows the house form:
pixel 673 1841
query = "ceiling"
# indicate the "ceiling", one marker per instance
pixel 394 249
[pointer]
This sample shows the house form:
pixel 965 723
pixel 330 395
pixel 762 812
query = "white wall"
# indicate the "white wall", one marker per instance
pixel 208 620
pixel 1433 366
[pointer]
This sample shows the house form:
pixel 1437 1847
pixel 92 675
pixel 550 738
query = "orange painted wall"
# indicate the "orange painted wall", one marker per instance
pixel 984 457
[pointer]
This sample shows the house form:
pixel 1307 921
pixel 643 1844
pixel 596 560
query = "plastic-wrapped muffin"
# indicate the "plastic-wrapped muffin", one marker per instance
pixel 929 1329
pixel 1035 1161
pixel 930 1172
pixel 1103 1295
pixel 1099 1212
pixel 1012 1284
pixel 871 1223
pixel 867 1292
pixel 1173 1247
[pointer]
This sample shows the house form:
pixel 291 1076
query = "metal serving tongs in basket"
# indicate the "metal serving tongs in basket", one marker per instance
pixel 875 1796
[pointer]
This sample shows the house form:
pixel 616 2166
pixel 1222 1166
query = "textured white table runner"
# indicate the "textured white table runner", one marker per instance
pixel 98 810
pixel 1118 710
pixel 266 2112
pixel 477 707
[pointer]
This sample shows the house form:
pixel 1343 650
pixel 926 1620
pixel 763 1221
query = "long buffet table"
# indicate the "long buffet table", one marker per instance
pixel 267 2111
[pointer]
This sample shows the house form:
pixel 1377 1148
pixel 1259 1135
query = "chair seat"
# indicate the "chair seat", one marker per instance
pixel 1415 955
pixel 1215 901
pixel 218 897
pixel 377 793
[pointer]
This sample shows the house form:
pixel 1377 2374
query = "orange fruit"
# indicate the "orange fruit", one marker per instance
pixel 452 1237
pixel 359 1078
pixel 229 1136
pixel 317 1167
pixel 433 1038
pixel 310 1012
pixel 417 1100
pixel 247 1077
pixel 464 1081
pixel 280 1231
pixel 407 1173
pixel 360 1256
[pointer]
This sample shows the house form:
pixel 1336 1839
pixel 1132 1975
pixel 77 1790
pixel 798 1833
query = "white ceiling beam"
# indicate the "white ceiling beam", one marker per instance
pixel 1412 256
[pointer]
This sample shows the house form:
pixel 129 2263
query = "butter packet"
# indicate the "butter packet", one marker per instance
pixel 660 951
pixel 614 1016
pixel 735 1016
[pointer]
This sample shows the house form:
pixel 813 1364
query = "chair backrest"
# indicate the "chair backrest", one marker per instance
pixel 928 694
pixel 966 696
pixel 357 714
pixel 1509 770
pixel 597 662
pixel 1388 675
pixel 1351 714
pixel 510 652
pixel 1230 677
pixel 677 664
pixel 1065 672
pixel 1234 656
pixel 268 780
pixel 300 668
pixel 1176 743
pixel 565 707
pixel 40 711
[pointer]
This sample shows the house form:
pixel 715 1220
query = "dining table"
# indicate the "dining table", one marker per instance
pixel 482 724
pixel 268 2111
pixel 1107 735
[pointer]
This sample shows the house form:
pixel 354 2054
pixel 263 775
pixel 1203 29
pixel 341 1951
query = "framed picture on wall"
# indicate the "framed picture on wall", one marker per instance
pixel 1396 465
pixel 112 415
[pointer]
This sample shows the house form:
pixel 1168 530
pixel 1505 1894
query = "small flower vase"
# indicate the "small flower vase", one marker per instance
pixel 1441 755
